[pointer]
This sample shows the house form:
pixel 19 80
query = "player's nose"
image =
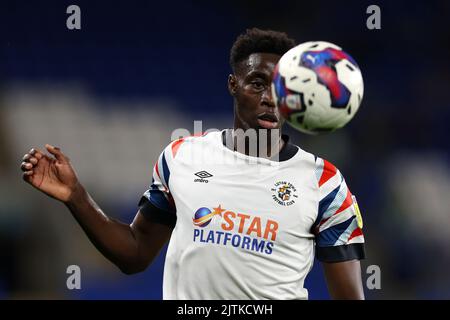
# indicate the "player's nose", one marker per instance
pixel 266 98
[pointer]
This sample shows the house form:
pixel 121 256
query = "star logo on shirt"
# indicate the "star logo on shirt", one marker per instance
pixel 218 211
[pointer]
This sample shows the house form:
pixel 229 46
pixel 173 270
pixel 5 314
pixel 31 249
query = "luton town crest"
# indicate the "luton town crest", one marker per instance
pixel 284 193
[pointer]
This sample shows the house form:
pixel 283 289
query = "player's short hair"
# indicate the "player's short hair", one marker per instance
pixel 256 40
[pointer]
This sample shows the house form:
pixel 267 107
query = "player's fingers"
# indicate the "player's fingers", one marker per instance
pixel 26 176
pixel 57 153
pixel 26 166
pixel 29 158
pixel 38 154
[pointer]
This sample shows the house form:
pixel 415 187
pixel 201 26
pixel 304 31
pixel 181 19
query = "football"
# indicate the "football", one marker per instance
pixel 317 87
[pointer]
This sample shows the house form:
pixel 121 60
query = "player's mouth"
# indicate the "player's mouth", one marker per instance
pixel 268 121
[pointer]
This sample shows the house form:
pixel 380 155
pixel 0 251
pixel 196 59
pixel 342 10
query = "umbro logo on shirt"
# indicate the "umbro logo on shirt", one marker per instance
pixel 203 175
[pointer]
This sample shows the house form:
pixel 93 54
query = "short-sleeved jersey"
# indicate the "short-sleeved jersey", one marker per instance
pixel 247 227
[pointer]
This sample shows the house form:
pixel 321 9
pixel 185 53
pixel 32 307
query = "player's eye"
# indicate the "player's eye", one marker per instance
pixel 258 85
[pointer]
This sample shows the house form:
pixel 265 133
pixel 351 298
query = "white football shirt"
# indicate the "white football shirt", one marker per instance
pixel 246 227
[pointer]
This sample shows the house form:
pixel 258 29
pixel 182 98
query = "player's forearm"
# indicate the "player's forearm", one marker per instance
pixel 349 291
pixel 344 280
pixel 114 239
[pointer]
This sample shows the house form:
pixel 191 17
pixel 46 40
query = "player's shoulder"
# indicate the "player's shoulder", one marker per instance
pixel 327 174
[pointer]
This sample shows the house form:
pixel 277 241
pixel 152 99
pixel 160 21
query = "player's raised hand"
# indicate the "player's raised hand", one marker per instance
pixel 54 176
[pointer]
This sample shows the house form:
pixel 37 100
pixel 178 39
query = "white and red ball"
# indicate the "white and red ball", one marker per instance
pixel 317 87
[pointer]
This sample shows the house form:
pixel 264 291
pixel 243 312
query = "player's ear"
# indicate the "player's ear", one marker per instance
pixel 232 84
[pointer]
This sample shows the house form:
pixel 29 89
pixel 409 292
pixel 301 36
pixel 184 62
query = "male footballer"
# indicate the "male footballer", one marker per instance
pixel 240 225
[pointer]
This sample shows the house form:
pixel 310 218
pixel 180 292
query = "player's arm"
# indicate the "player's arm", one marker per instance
pixel 131 247
pixel 344 280
pixel 338 234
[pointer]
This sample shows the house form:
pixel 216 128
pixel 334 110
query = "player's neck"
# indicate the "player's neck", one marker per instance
pixel 261 143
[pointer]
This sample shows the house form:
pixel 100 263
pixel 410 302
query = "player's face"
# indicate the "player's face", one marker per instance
pixel 251 88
